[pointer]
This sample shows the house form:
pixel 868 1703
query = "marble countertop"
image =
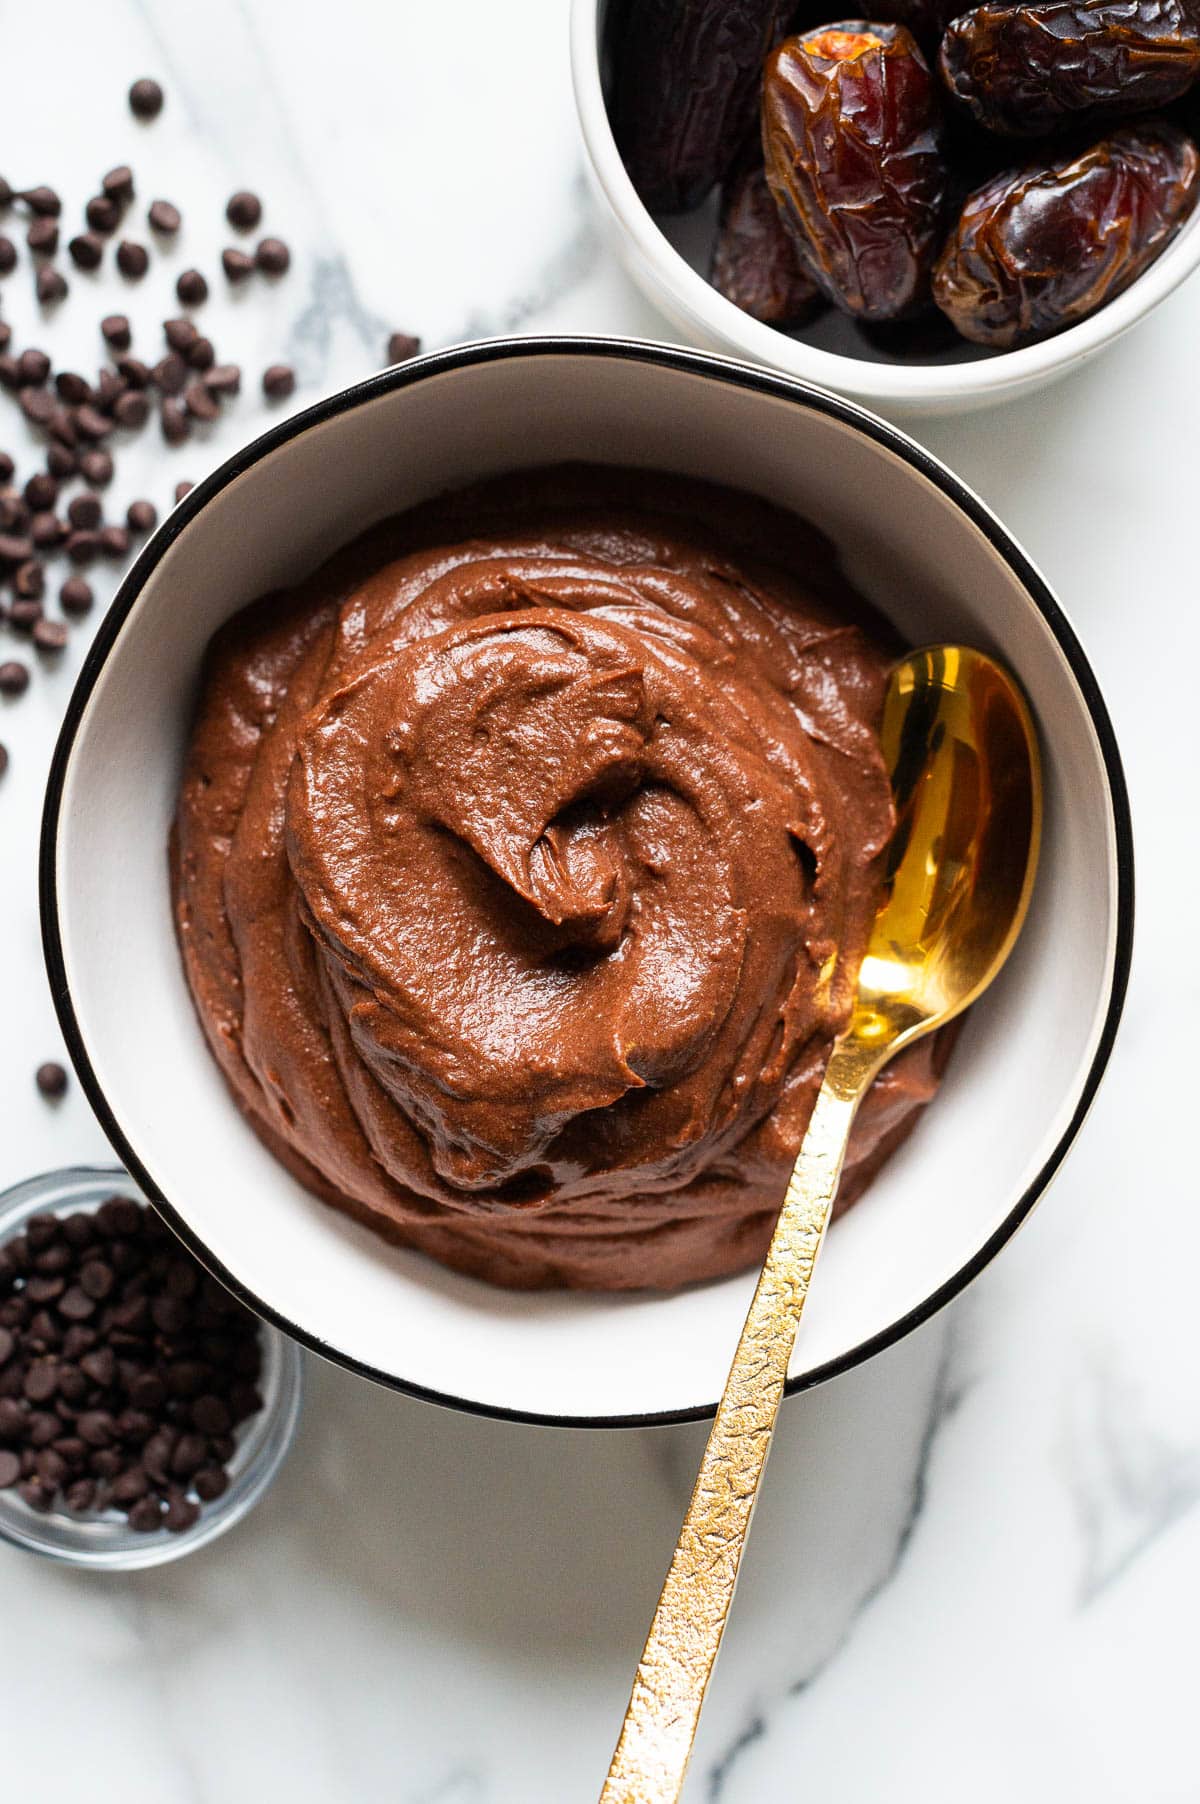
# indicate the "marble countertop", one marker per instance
pixel 975 1567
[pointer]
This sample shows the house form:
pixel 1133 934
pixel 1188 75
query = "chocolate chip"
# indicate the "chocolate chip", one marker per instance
pixel 85 512
pixel 279 381
pixel 237 264
pixel 170 373
pixel 164 217
pixel 86 250
pixel 191 288
pixel 146 98
pixel 146 1515
pixel 14 549
pixel 29 580
pixel 41 1380
pixel 51 286
pixel 272 256
pixel 243 210
pixel 42 237
pixel 401 346
pixel 41 491
pixel 9 376
pixel 10 1469
pixel 181 1513
pixel 6 1346
pixel 50 635
pixel 37 404
pixel 201 354
pixel 80 1496
pixel 47 531
pixel 224 379
pixel 42 200
pixel 100 1364
pixel 24 614
pixel 91 424
pixel 96 468
pixel 142 516
pixel 76 1305
pixel 51 1079
pixel 14 678
pixel 129 1485
pixel 174 422
pixel 102 214
pixel 200 401
pixel 61 461
pixel 133 259
pixel 115 330
pixel 134 373
pixel 8 256
pixel 118 184
pixel 114 540
pixel 7 467
pixel 33 367
pixel 73 389
pixel 132 409
pixel 120 1218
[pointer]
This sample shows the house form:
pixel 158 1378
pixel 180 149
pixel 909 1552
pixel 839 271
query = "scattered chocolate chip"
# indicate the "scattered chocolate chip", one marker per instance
pixel 133 259
pixel 401 346
pixel 33 367
pixel 174 421
pixel 164 217
pixel 37 406
pixel 237 264
pixel 10 1468
pixel 191 288
pixel 142 516
pixel 114 541
pixel 42 236
pixel 29 580
pixel 109 388
pixel 85 512
pixel 118 184
pixel 8 256
pixel 87 250
pixel 47 531
pixel 272 256
pixel 42 200
pixel 14 549
pixel 146 98
pixel 50 635
pixel 180 333
pixel 51 1079
pixel 74 389
pixel 91 424
pixel 102 214
pixel 132 409
pixel 8 370
pixel 14 678
pixel 243 210
pixel 134 373
pixel 75 596
pixel 61 461
pixel 51 286
pixel 8 468
pixel 170 373
pixel 96 468
pixel 182 489
pixel 115 330
pixel 41 491
pixel 200 402
pixel 279 381
pixel 224 379
pixel 24 615
pixel 201 354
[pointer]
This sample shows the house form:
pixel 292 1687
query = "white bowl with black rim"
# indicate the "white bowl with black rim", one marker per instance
pixel 937 562
pixel 669 261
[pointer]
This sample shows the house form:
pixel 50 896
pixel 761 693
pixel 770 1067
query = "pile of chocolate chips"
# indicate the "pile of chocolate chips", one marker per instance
pixel 124 1368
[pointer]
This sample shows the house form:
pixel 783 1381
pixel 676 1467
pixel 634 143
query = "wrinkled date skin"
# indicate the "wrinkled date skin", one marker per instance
pixel 755 262
pixel 853 146
pixel 1040 248
pixel 1025 70
pixel 688 74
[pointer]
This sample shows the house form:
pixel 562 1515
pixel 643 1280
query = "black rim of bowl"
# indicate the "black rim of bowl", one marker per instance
pixel 738 375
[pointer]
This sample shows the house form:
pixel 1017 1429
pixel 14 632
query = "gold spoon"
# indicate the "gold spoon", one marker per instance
pixel 966 781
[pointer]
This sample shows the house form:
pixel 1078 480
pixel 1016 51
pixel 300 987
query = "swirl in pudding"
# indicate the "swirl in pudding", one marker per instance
pixel 524 860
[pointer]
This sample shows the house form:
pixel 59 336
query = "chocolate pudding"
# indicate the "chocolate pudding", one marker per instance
pixel 524 861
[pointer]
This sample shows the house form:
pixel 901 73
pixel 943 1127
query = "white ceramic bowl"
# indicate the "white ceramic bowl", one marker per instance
pixel 669 263
pixel 913 537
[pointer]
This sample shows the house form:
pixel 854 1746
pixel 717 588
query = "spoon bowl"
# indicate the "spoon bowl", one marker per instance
pixel 966 784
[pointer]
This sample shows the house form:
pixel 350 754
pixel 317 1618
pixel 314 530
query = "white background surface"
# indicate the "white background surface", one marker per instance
pixel 975 1568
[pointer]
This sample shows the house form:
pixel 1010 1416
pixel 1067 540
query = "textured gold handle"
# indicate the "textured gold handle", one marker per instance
pixel 681 1648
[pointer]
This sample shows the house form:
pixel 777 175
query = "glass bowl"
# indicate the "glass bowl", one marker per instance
pixel 105 1540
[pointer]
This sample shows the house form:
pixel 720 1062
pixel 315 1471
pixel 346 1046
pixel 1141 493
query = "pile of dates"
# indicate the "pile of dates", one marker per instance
pixel 999 164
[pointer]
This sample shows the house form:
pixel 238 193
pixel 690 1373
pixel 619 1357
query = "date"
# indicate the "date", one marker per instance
pixel 755 262
pixel 688 75
pixel 852 138
pixel 1027 70
pixel 1042 247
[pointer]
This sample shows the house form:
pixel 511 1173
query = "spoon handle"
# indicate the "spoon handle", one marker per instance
pixel 681 1649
